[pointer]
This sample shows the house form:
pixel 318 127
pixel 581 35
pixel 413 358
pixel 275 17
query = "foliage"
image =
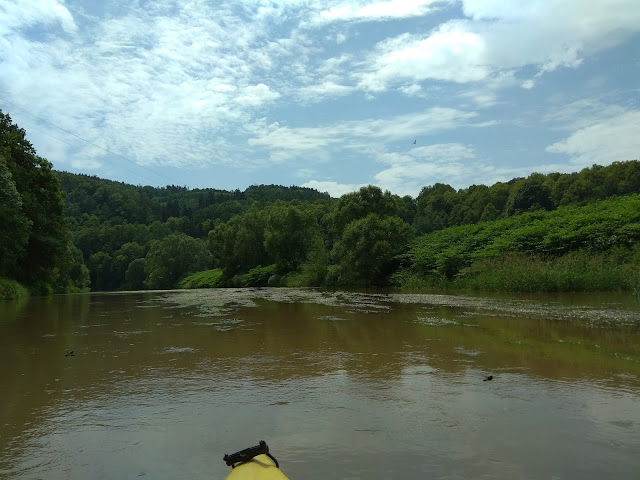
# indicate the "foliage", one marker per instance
pixel 174 257
pixel 256 277
pixel 576 271
pixel 15 227
pixel 529 194
pixel 296 228
pixel 32 204
pixel 71 275
pixel 12 290
pixel 597 228
pixel 369 248
pixel 239 244
pixel 206 279
pixel 367 200
pixel 289 235
pixel 135 275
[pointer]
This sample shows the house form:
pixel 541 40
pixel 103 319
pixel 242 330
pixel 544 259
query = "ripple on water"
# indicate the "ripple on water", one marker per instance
pixel 179 350
pixel 435 321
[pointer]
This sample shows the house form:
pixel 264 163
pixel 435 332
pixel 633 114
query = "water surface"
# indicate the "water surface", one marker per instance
pixel 342 385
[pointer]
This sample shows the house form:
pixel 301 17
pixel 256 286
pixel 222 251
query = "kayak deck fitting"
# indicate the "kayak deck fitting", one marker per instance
pixel 254 463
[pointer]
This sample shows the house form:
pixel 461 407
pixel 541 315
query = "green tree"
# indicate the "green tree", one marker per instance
pixel 239 244
pixel 435 204
pixel 42 204
pixel 368 251
pixel 100 271
pixel 174 257
pixel 367 200
pixel 14 224
pixel 531 193
pixel 135 275
pixel 289 235
pixel 121 260
pixel 72 275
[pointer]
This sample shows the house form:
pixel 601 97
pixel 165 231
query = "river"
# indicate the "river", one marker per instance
pixel 341 385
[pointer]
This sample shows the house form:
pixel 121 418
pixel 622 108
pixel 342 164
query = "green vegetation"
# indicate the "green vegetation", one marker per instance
pixel 594 247
pixel 12 290
pixel 35 245
pixel 61 232
pixel 206 279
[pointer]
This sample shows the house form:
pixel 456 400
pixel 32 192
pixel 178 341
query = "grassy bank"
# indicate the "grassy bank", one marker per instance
pixel 12 290
pixel 591 248
pixel 574 272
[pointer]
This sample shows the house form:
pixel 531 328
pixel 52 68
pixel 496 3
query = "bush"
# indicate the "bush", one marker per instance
pixel 256 277
pixel 206 279
pixel 12 290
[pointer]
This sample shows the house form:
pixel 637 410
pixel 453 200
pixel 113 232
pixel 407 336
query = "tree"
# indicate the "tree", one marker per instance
pixel 238 245
pixel 174 257
pixel 435 203
pixel 135 275
pixel 100 271
pixel 14 224
pixel 369 248
pixel 531 193
pixel 367 200
pixel 42 204
pixel 289 235
pixel 122 259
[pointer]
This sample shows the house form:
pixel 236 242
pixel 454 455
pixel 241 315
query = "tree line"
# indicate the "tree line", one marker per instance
pixel 36 249
pixel 63 232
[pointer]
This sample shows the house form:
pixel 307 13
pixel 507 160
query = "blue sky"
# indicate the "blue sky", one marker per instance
pixel 326 94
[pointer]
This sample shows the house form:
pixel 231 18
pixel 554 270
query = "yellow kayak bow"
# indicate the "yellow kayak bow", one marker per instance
pixel 254 463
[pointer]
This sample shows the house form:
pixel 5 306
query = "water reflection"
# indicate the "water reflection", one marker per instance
pixel 341 384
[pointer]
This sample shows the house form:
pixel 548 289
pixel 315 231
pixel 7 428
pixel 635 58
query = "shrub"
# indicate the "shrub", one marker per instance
pixel 12 290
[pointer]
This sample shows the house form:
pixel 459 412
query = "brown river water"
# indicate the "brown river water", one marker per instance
pixel 341 385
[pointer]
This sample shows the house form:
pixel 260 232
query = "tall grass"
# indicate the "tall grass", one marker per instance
pixel 575 272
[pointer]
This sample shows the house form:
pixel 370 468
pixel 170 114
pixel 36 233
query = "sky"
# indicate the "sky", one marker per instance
pixel 332 95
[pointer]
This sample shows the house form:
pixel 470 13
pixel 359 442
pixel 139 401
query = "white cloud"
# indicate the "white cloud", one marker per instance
pixel 256 95
pixel 334 189
pixel 359 133
pixel 411 90
pixel 408 173
pixel 158 85
pixel 449 54
pixel 327 89
pixel 499 37
pixel 582 113
pixel 30 13
pixel 610 140
pixel 374 11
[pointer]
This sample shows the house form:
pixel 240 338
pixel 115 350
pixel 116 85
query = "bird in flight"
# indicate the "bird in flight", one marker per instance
pixel 414 142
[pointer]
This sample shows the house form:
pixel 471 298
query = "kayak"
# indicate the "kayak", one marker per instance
pixel 260 467
pixel 254 463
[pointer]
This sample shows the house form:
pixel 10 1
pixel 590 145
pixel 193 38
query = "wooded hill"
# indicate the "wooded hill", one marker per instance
pixel 136 237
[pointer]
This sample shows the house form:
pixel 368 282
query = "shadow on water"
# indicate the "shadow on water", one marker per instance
pixel 364 380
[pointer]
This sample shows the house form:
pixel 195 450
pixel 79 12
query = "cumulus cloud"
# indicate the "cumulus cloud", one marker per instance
pixel 604 142
pixel 498 37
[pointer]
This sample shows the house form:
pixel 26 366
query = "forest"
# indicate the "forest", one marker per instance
pixel 63 232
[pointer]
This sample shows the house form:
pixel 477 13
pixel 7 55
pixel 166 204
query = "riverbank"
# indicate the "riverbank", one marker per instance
pixel 574 272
